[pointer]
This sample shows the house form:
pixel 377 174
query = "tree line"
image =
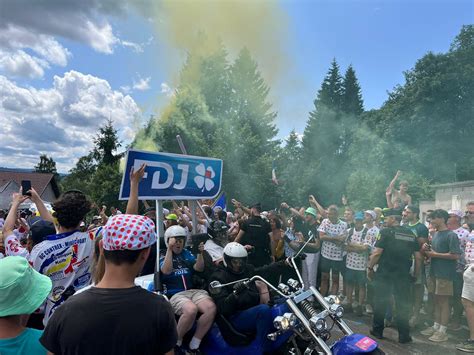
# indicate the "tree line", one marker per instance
pixel 221 109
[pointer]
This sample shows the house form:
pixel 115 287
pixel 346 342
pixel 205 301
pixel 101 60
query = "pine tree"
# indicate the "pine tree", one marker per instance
pixel 324 139
pixel 352 98
pixel 106 143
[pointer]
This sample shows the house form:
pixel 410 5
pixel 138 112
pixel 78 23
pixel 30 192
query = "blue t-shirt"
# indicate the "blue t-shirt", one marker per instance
pixel 180 278
pixel 25 343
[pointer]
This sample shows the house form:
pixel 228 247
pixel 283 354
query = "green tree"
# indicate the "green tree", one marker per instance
pixel 324 141
pixel 106 144
pixel 46 165
pixel 352 102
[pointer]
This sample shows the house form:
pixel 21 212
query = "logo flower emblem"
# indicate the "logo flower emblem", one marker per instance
pixel 204 179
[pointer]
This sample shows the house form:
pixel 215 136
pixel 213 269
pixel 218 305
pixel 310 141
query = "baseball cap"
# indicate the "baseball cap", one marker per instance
pixel 456 213
pixel 172 217
pixel 22 289
pixel 359 216
pixel 40 229
pixel 128 232
pixel 371 213
pixel 311 211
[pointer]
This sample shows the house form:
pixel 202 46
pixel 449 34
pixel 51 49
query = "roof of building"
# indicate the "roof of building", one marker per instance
pixel 39 181
pixel 455 184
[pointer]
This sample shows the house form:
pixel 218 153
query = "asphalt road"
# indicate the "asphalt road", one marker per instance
pixel 420 344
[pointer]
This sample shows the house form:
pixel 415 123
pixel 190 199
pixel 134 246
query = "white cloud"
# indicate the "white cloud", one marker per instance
pixel 142 84
pixel 61 120
pixel 21 64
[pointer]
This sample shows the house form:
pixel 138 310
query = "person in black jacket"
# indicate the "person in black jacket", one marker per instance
pixel 240 303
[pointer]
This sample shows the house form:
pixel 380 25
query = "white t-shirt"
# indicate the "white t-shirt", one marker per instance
pixel 215 251
pixel 463 235
pixel 469 249
pixel 358 261
pixel 331 250
pixel 373 233
pixel 65 258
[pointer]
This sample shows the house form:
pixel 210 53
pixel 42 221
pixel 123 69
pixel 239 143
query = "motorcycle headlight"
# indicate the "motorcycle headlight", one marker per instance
pixel 332 299
pixel 281 323
pixel 337 310
pixel 295 285
pixel 285 289
pixel 318 323
pixel 292 319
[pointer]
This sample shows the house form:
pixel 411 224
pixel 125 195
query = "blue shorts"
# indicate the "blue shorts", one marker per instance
pixel 327 265
pixel 355 277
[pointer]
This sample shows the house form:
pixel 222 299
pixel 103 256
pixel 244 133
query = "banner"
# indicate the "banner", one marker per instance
pixel 172 176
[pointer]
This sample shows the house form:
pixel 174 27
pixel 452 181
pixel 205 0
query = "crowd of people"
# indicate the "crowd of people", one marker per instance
pixel 68 276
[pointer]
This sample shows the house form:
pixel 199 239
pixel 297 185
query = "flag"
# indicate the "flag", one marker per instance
pixel 274 177
pixel 221 202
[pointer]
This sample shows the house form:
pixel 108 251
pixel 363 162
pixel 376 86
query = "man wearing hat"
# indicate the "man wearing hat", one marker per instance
pixel 255 235
pixel 22 291
pixel 392 253
pixel 115 316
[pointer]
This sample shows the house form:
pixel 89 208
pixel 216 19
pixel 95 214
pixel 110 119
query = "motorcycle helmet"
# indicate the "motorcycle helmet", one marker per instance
pixel 175 231
pixel 235 257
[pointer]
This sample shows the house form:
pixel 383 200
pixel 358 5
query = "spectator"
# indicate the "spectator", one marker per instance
pixel 358 246
pixel 255 234
pixel 65 257
pixel 468 295
pixel 131 320
pixel 397 198
pixel 333 233
pixel 444 252
pixel 22 291
pixel 114 211
pixel 454 224
pixel 421 233
pixel 469 216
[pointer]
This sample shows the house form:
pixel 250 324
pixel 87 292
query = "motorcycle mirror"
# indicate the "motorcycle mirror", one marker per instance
pixel 215 287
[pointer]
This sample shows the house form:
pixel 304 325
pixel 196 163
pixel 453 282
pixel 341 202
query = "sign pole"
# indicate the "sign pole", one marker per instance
pixel 160 234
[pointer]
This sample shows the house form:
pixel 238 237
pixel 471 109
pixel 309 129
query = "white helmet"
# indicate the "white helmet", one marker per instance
pixel 173 232
pixel 235 250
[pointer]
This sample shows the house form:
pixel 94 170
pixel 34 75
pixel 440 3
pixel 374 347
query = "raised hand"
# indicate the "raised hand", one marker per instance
pixel 136 176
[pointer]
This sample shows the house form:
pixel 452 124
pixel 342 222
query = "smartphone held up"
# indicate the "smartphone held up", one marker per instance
pixel 25 187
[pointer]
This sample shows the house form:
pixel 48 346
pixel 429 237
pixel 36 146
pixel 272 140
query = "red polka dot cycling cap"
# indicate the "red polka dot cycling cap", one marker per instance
pixel 128 232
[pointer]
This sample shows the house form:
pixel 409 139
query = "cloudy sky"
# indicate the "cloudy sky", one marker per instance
pixel 67 66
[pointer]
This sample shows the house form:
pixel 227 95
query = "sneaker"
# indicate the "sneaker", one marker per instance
pixel 376 335
pixel 438 337
pixel 405 340
pixel 369 309
pixel 413 321
pixel 428 331
pixel 455 326
pixel 466 346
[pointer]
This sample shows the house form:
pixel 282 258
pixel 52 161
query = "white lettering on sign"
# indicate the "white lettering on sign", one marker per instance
pixel 155 183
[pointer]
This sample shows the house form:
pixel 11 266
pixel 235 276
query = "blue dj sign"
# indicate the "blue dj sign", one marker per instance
pixel 173 176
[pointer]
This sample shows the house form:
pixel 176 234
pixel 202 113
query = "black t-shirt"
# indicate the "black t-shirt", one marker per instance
pixel 398 244
pixel 256 233
pixel 420 231
pixel 111 321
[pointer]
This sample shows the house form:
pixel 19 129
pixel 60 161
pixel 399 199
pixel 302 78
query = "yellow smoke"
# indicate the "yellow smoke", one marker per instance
pixel 261 26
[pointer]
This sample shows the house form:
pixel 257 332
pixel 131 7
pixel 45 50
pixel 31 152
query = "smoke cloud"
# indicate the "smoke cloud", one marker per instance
pixel 261 26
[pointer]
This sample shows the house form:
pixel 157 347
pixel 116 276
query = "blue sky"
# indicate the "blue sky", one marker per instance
pixel 113 62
